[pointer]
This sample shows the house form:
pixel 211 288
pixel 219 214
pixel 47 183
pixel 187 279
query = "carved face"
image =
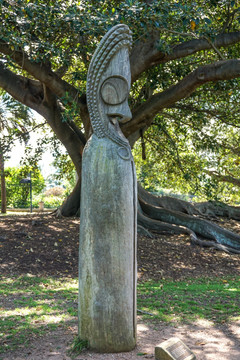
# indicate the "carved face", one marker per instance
pixel 114 90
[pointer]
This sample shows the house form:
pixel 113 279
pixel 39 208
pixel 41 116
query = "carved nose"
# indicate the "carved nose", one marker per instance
pixel 123 115
pixel 126 116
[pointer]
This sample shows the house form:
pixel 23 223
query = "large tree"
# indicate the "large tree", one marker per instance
pixel 183 62
pixel 14 121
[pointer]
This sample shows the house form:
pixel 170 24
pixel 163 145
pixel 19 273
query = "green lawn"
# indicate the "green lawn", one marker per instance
pixel 216 300
pixel 34 305
pixel 31 306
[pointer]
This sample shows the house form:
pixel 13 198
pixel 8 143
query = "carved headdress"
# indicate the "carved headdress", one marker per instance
pixel 117 38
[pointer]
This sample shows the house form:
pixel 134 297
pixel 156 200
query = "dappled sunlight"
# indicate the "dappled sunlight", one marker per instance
pixel 55 228
pixel 204 323
pixel 49 286
pixel 57 285
pixel 205 339
pixel 142 328
pixel 37 302
pixel 211 340
pixel 33 305
pixel 51 304
pixel 54 319
pixel 21 312
pixel 233 290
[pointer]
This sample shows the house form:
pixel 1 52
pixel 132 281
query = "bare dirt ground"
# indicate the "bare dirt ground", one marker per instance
pixel 28 245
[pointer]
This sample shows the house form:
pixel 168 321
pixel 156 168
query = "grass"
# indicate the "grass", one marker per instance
pixel 78 346
pixel 33 305
pixel 216 300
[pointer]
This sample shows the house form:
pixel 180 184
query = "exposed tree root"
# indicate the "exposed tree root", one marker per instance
pixel 168 202
pixel 160 227
pixel 196 225
pixel 214 208
pixel 143 231
pixel 205 243
pixel 168 215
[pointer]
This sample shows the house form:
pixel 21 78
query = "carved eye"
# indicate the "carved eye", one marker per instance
pixel 114 90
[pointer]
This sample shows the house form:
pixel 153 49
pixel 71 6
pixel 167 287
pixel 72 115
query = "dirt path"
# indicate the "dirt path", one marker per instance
pixel 205 340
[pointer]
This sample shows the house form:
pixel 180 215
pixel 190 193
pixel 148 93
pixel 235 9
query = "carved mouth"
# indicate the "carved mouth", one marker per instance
pixel 115 119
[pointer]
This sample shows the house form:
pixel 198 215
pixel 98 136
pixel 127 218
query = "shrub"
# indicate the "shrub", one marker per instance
pixel 55 191
pixel 18 194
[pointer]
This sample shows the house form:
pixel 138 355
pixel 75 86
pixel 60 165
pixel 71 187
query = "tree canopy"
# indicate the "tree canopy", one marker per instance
pixel 185 79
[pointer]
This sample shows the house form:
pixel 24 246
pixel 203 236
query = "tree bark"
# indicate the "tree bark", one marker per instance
pixel 71 206
pixel 218 209
pixel 202 227
pixel 148 55
pixel 3 185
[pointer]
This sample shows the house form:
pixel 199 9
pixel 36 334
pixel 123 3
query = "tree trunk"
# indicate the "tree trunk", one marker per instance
pixel 3 186
pixel 71 206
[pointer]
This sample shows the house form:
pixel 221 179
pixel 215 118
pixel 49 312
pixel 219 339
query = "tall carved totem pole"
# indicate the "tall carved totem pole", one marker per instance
pixel 107 251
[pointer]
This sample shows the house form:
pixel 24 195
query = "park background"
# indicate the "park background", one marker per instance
pixel 185 131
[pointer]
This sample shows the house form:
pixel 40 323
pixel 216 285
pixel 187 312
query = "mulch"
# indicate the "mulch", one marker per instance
pixel 44 245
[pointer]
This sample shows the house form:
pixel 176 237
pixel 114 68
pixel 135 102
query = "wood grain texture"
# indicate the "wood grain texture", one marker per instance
pixel 107 254
pixel 107 250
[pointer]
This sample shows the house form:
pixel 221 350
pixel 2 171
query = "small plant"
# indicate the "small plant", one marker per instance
pixel 78 346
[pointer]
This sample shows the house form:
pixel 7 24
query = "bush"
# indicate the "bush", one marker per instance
pixel 55 191
pixel 18 194
pixel 50 202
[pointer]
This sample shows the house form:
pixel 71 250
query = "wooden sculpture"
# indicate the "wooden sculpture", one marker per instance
pixel 107 251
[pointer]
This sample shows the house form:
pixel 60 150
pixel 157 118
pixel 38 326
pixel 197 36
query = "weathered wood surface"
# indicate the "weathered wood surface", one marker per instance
pixel 107 265
pixel 107 250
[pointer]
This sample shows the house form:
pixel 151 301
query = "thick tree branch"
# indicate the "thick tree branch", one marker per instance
pixel 224 178
pixel 145 113
pixel 148 54
pixel 65 133
pixel 42 73
pixel 32 94
pixel 26 91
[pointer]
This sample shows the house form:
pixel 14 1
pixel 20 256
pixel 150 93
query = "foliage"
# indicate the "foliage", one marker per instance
pixel 78 346
pixel 55 191
pixel 18 195
pixel 191 144
pixel 15 122
pixel 50 202
pixel 181 158
pixel 65 169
